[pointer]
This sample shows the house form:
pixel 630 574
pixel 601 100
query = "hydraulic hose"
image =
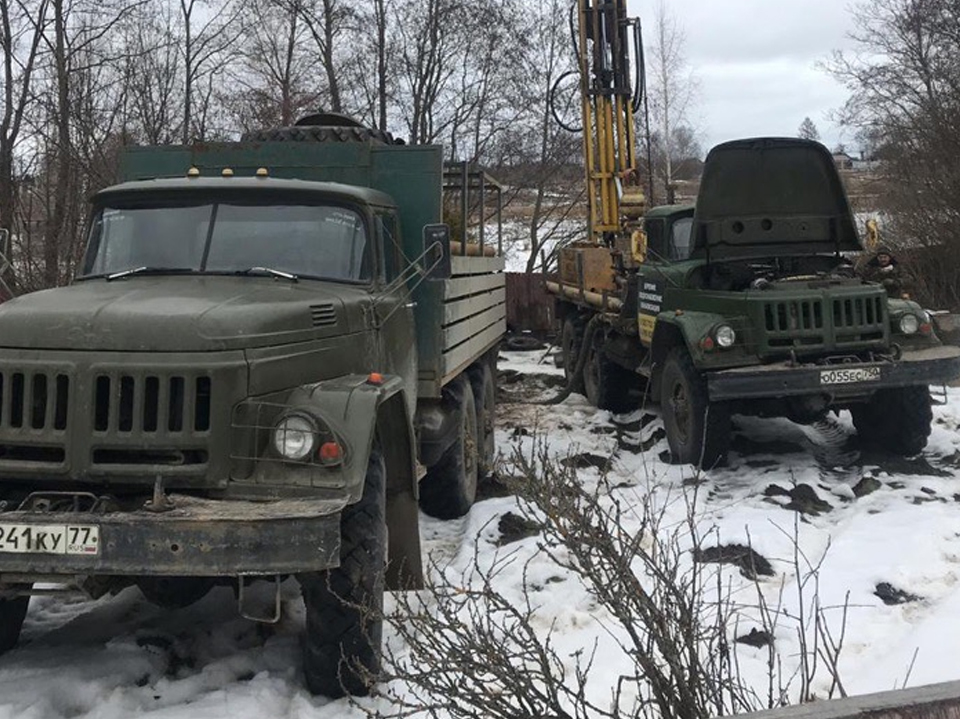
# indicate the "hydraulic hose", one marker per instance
pixel 589 331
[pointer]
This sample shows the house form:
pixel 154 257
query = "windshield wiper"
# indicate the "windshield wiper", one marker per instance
pixel 147 271
pixel 269 271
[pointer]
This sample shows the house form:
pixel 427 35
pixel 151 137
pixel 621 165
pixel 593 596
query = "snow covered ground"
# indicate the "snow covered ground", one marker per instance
pixel 119 656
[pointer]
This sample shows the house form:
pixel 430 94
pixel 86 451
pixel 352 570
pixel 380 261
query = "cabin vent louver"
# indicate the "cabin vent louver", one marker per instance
pixel 323 315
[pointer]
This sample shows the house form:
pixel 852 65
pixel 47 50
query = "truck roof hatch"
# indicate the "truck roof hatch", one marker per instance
pixel 771 196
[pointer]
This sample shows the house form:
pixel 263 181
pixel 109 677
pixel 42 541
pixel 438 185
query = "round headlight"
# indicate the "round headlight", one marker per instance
pixel 909 324
pixel 295 436
pixel 725 336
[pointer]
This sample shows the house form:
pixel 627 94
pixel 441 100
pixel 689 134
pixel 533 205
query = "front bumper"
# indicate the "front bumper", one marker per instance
pixel 196 537
pixel 936 365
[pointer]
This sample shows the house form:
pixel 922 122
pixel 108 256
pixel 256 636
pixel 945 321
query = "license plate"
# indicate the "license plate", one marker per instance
pixel 848 375
pixel 50 538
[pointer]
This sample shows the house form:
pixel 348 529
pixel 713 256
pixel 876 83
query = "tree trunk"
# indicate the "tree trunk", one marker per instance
pixel 57 221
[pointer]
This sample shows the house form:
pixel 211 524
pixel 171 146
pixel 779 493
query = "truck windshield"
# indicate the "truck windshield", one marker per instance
pixel 319 241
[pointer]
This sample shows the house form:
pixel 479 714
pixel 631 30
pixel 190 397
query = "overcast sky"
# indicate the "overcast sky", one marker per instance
pixel 756 62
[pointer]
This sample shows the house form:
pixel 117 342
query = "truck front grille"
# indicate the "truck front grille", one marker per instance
pixel 34 400
pixel 149 404
pixel 791 323
pixel 825 323
pixel 856 319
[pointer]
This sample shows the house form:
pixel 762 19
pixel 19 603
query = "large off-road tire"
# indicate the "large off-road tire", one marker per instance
pixel 698 432
pixel 895 420
pixel 344 606
pixel 607 385
pixel 319 133
pixel 571 339
pixel 485 399
pixel 12 613
pixel 450 487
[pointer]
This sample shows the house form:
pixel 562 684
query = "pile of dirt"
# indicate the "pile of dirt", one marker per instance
pixel 752 564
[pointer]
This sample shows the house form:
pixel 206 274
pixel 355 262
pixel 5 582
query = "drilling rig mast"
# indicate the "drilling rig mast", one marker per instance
pixel 609 98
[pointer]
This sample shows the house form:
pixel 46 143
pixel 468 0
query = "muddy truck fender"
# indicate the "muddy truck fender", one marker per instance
pixel 682 328
pixel 351 411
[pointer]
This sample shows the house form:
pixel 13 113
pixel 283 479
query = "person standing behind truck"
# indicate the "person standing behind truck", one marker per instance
pixel 884 269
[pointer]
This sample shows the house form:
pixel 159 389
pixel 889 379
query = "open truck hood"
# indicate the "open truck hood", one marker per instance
pixel 771 196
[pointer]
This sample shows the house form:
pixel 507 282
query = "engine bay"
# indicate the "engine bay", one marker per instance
pixel 773 273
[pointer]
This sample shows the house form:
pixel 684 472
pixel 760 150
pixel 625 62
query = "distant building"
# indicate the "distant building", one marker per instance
pixel 842 160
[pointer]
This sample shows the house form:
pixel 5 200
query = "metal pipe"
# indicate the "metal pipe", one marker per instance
pixel 595 299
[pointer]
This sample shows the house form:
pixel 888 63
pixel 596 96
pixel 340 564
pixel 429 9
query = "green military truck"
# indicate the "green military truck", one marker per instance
pixel 271 352
pixel 749 304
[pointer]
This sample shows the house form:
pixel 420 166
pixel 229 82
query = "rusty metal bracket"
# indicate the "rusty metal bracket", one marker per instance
pixel 241 605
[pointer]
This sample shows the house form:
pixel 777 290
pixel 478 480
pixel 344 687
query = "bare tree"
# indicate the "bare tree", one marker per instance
pixel 905 88
pixel 555 201
pixel 469 649
pixel 153 71
pixel 427 38
pixel 206 36
pixel 325 21
pixel 271 84
pixel 79 56
pixel 368 65
pixel 21 30
pixel 672 87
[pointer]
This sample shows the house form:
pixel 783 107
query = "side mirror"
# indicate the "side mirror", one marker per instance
pixel 436 251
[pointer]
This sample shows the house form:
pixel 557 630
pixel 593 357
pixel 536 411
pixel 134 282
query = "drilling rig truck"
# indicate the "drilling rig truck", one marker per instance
pixel 745 302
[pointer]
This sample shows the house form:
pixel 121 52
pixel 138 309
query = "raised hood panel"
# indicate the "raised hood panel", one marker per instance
pixel 771 196
pixel 178 314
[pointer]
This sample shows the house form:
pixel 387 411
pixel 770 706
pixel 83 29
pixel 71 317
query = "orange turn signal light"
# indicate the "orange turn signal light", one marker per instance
pixel 707 343
pixel 375 378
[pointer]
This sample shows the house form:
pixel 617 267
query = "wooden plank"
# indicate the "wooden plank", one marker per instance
pixel 471 285
pixel 934 701
pixel 530 308
pixel 457 333
pixel 458 358
pixel 460 265
pixel 461 309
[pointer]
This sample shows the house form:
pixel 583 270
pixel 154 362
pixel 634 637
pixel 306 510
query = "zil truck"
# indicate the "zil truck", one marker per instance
pixel 272 355
pixel 746 302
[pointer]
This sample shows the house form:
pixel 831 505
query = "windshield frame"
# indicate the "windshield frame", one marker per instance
pixel 181 199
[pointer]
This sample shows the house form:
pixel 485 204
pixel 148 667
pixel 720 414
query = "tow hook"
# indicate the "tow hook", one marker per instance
pixel 160 501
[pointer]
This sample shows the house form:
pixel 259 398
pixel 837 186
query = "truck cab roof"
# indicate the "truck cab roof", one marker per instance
pixel 219 185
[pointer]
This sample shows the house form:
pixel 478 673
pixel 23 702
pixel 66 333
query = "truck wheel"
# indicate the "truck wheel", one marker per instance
pixel 485 399
pixel 12 613
pixel 344 606
pixel 570 338
pixel 698 432
pixel 606 384
pixel 450 487
pixel 895 420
